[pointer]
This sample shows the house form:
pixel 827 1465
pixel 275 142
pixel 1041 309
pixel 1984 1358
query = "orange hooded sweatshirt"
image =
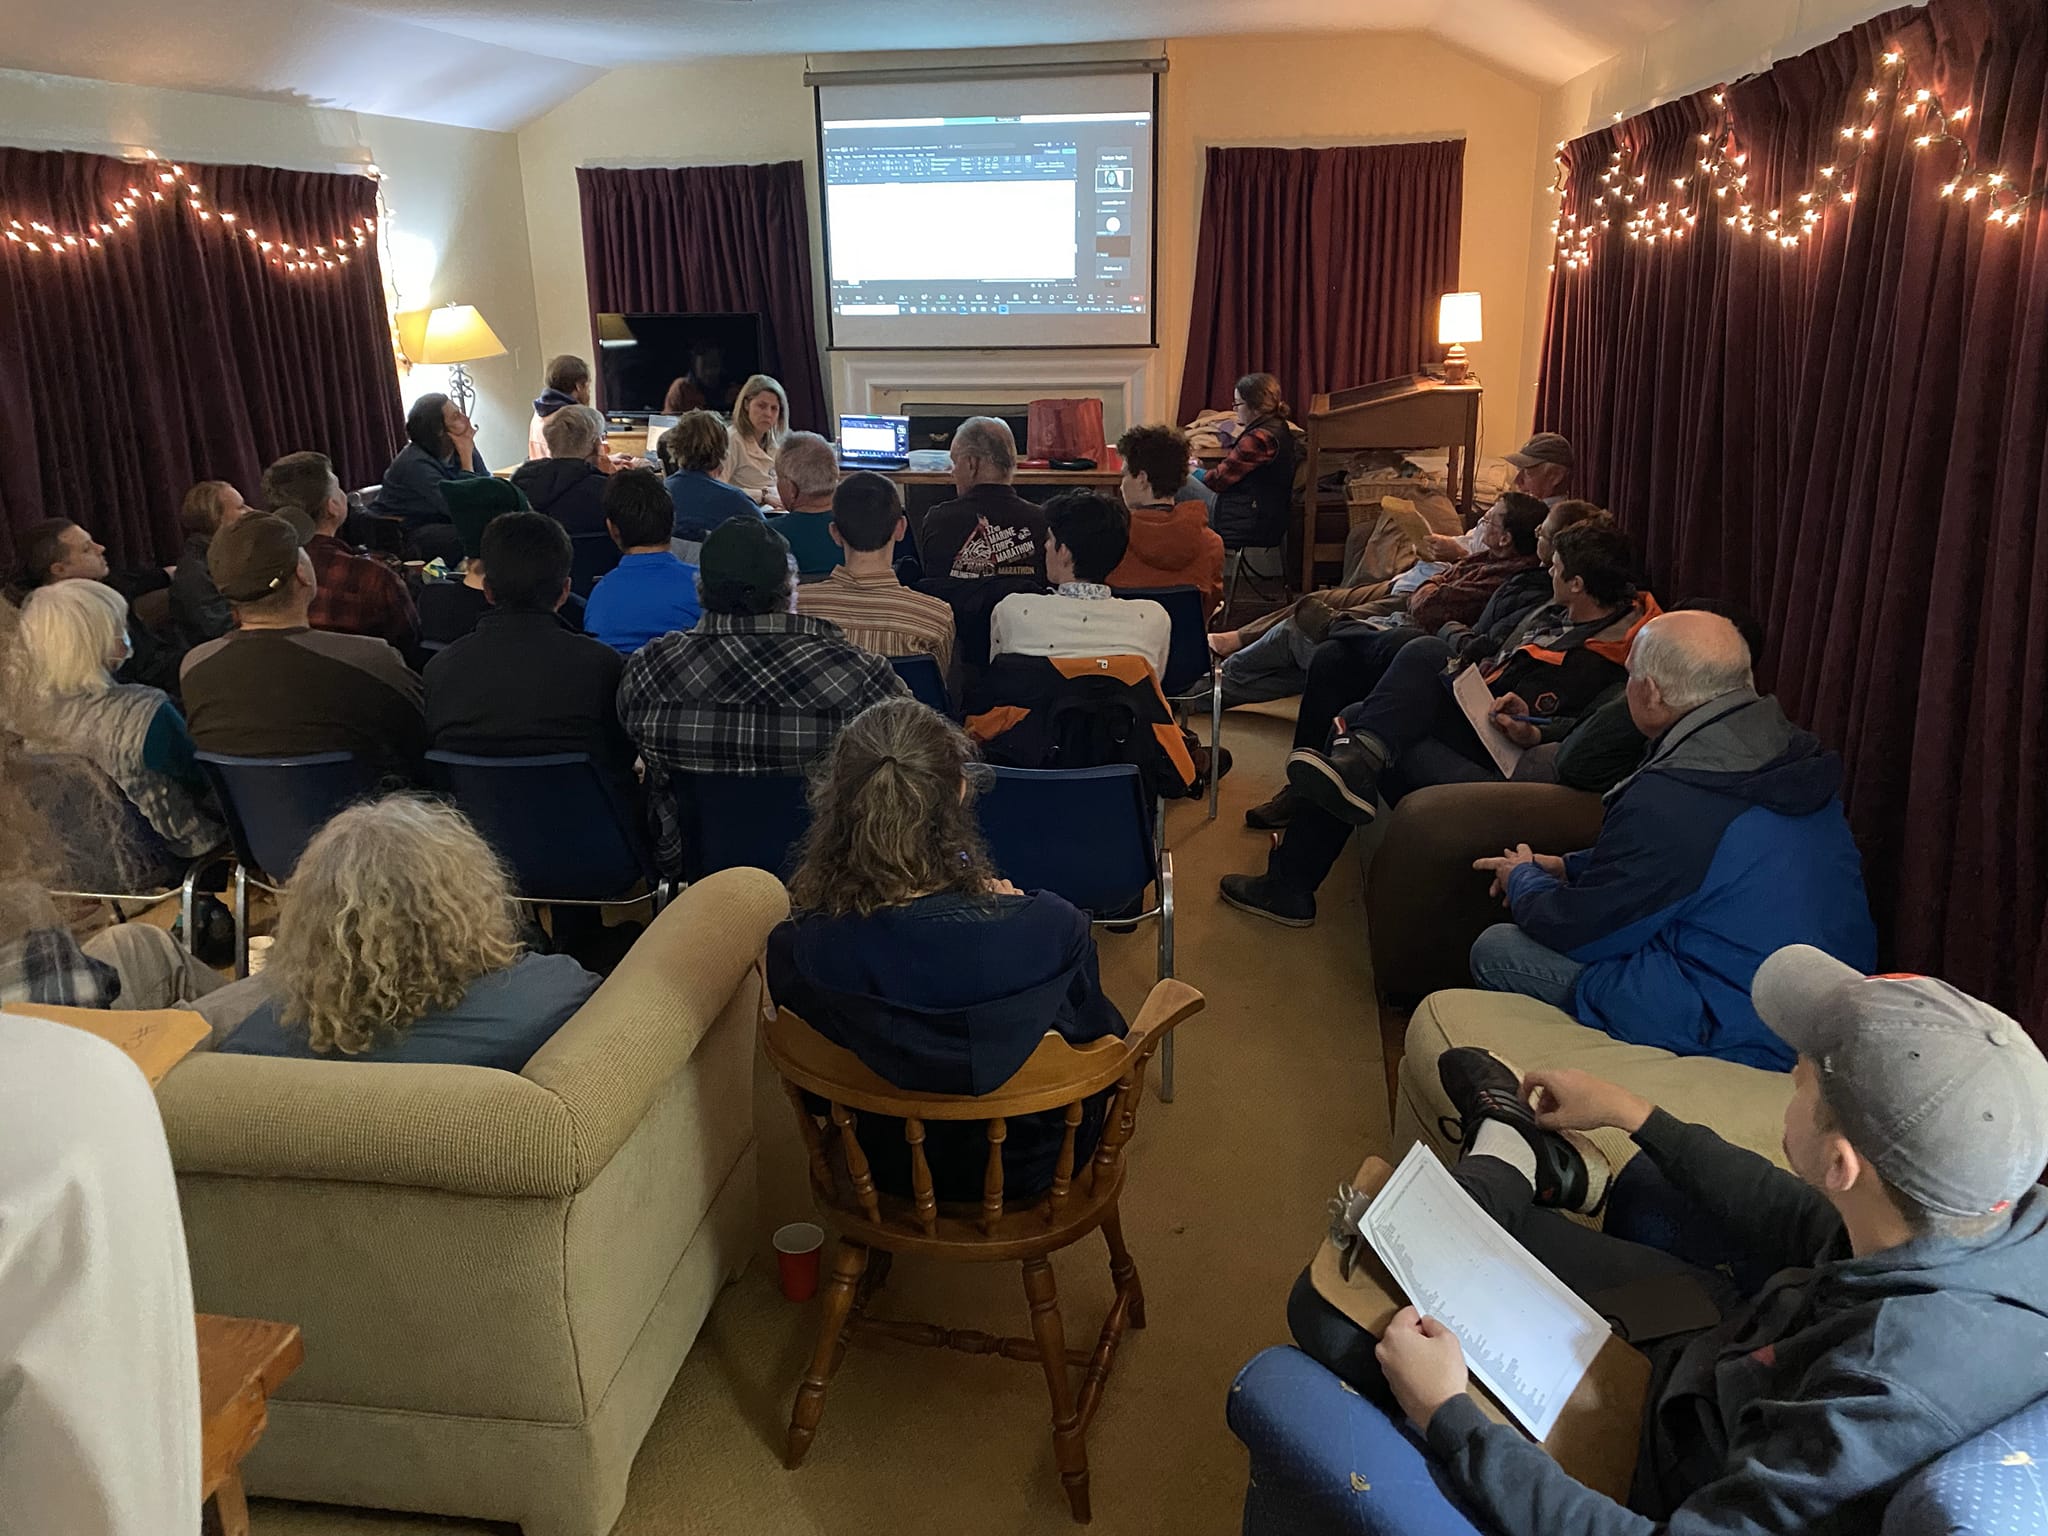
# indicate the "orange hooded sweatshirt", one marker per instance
pixel 1174 547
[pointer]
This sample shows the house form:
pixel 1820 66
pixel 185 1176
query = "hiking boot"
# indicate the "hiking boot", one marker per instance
pixel 1572 1174
pixel 1343 780
pixel 1273 815
pixel 1263 896
pixel 1196 692
pixel 1313 617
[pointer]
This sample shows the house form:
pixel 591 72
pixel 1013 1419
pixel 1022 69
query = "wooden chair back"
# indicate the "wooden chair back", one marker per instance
pixel 1056 1077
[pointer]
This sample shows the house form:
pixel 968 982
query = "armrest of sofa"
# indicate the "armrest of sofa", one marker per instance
pixel 1424 902
pixel 695 961
pixel 467 1130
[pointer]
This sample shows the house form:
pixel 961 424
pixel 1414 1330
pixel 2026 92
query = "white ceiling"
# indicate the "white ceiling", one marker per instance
pixel 501 63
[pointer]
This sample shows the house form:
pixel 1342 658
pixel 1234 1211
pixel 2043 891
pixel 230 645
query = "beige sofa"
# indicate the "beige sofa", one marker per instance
pixel 1746 1105
pixel 498 1276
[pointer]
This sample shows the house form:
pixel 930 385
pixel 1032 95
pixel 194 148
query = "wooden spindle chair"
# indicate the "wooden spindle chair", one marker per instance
pixel 873 1226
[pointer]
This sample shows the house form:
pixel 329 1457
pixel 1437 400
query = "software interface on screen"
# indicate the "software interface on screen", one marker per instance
pixel 1007 214
pixel 874 437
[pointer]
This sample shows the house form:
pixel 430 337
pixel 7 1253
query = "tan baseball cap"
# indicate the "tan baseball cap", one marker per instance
pixel 1945 1095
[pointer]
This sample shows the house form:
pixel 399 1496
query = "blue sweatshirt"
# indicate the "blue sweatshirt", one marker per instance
pixel 1726 845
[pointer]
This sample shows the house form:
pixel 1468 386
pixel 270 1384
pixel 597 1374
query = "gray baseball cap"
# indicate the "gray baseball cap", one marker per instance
pixel 1946 1096
pixel 1543 448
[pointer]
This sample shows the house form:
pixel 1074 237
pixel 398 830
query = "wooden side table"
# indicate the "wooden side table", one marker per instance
pixel 242 1361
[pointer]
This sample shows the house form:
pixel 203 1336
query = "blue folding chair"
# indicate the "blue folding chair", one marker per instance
pixel 926 683
pixel 740 821
pixel 567 831
pixel 433 647
pixel 1187 662
pixel 590 556
pixel 274 806
pixel 1086 834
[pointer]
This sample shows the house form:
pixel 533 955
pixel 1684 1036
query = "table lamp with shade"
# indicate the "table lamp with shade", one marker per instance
pixel 453 334
pixel 1457 322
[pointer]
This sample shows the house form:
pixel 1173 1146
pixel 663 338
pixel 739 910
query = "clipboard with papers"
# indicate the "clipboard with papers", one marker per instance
pixel 1540 1358
pixel 1478 703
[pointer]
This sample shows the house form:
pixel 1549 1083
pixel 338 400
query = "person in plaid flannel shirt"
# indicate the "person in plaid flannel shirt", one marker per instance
pixel 754 688
pixel 359 594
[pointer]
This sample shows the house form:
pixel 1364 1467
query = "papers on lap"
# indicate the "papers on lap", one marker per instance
pixel 1526 1337
pixel 1476 700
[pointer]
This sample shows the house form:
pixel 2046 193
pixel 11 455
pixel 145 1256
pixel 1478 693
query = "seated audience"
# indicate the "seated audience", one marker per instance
pixel 71 634
pixel 568 485
pixel 1086 535
pixel 988 529
pixel 523 682
pixel 908 949
pixel 449 608
pixel 697 444
pixel 1728 843
pixel 754 688
pixel 400 943
pixel 1542 466
pixel 1908 1311
pixel 760 421
pixel 198 611
pixel 806 474
pixel 1172 543
pixel 1410 731
pixel 568 383
pixel 358 594
pixel 649 592
pixel 276 686
pixel 1254 486
pixel 57 549
pixel 440 446
pixel 862 596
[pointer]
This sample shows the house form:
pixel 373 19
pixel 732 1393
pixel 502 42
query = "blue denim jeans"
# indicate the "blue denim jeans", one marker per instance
pixel 1505 959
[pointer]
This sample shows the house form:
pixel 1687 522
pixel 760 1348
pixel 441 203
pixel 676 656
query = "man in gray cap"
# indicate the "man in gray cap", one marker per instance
pixel 754 688
pixel 1908 1311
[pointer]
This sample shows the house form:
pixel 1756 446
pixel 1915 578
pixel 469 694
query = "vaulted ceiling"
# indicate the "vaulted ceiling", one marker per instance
pixel 500 63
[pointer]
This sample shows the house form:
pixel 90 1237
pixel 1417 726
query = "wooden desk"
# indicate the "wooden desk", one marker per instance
pixel 242 1361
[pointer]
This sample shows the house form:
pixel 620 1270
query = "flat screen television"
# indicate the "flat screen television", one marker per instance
pixel 640 356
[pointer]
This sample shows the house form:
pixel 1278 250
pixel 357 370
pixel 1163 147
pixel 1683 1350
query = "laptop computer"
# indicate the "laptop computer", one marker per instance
pixel 874 442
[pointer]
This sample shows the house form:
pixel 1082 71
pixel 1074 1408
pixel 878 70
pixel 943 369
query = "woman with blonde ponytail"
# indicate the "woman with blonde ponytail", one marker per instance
pixel 909 950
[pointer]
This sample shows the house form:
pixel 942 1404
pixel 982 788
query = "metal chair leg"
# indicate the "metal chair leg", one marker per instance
pixel 1215 736
pixel 186 902
pixel 241 922
pixel 1230 586
pixel 1166 967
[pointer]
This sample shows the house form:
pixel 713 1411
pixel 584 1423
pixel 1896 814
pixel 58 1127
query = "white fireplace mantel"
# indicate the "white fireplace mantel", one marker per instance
pixel 1124 379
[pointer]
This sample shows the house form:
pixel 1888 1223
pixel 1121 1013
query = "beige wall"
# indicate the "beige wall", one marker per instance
pixel 1297 89
pixel 1716 42
pixel 458 226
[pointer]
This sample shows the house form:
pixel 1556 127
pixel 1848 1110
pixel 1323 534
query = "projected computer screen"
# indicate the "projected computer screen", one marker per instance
pixel 993 214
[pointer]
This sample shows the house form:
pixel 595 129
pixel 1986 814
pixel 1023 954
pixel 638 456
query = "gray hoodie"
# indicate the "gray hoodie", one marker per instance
pixel 1803 1413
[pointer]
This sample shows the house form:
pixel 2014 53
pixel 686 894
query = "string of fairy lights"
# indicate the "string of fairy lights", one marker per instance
pixel 160 187
pixel 1720 185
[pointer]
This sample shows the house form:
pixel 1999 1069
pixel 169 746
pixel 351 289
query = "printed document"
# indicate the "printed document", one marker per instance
pixel 1473 697
pixel 1526 1337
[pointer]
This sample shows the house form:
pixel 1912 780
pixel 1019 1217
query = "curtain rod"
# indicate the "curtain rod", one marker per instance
pixel 971 72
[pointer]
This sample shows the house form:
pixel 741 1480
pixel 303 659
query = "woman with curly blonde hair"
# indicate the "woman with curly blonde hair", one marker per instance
pixel 398 942
pixel 907 949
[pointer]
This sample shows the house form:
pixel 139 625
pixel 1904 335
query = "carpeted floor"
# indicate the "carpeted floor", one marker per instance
pixel 1281 1090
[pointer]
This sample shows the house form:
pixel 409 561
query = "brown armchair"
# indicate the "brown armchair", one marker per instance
pixel 1425 904
pixel 874 1226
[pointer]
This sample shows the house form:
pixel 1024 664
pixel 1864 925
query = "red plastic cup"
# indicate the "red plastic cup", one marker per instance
pixel 798 1248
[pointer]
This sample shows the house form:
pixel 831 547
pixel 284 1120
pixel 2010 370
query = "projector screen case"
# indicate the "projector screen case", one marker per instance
pixel 1013 210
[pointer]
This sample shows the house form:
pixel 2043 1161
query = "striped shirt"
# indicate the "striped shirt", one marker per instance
pixel 880 614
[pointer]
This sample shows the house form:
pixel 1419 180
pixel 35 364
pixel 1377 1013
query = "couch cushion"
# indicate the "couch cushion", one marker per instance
pixel 1746 1105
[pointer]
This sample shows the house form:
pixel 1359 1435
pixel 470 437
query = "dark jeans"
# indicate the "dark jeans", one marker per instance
pixel 1588 1262
pixel 1344 669
pixel 1411 712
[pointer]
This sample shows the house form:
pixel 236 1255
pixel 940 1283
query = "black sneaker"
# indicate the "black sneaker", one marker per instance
pixel 1263 896
pixel 1273 815
pixel 1345 780
pixel 1571 1172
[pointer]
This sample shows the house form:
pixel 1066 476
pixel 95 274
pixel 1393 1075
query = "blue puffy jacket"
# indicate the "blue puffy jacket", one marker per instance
pixel 1727 844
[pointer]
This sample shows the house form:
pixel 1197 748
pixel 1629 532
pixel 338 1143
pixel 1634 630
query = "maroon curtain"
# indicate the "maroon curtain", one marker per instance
pixel 1321 266
pixel 709 238
pixel 177 352
pixel 1852 439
